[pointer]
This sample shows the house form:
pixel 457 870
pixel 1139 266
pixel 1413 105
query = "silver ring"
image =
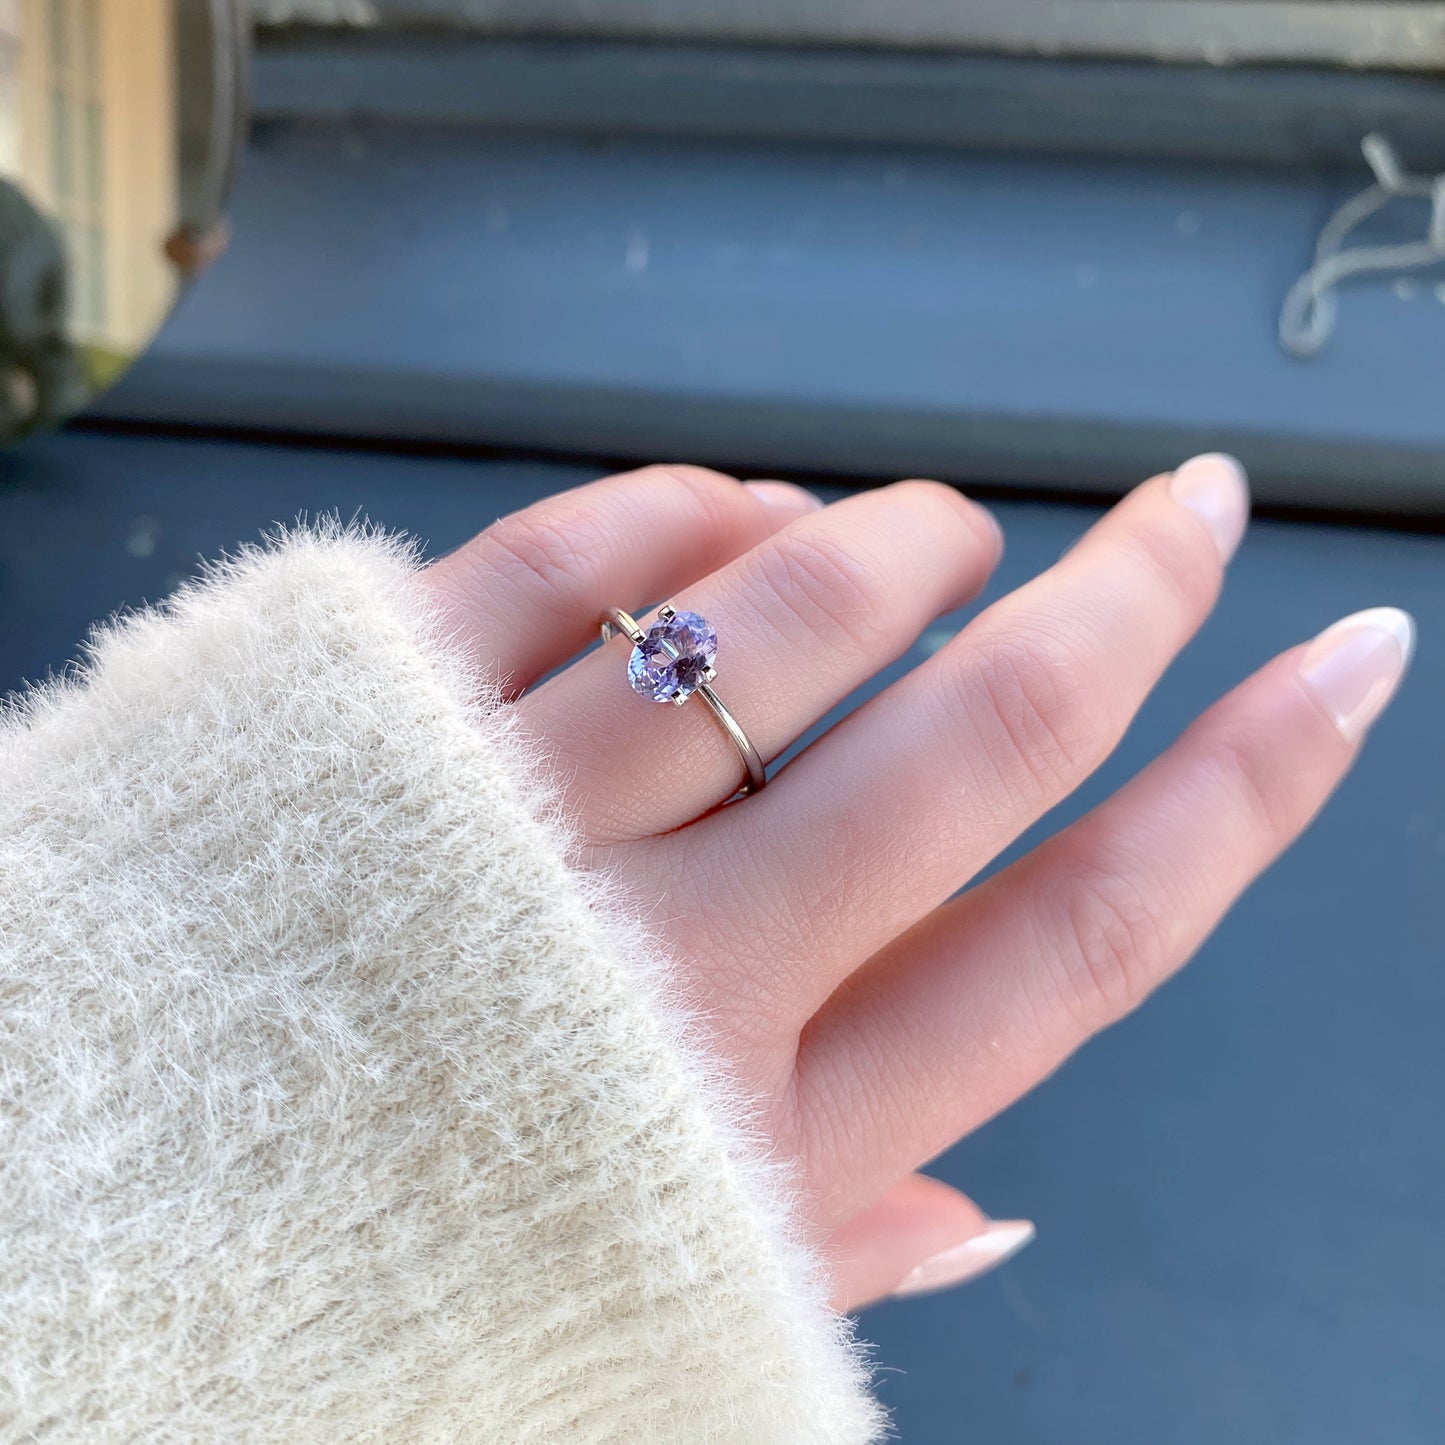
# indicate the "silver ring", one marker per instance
pixel 675 659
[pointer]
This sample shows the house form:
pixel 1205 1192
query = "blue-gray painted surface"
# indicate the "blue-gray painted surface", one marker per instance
pixel 1240 1191
pixel 1281 115
pixel 1051 321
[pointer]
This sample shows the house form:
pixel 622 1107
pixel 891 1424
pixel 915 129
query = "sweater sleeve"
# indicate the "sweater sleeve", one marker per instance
pixel 335 1104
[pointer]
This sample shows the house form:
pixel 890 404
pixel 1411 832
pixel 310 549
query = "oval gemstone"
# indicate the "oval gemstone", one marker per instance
pixel 673 658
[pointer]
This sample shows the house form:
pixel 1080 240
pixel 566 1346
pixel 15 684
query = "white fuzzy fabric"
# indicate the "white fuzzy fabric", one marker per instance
pixel 334 1106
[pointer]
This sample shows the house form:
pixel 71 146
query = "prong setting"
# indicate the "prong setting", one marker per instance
pixel 674 657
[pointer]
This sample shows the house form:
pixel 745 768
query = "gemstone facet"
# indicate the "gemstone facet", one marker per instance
pixel 674 658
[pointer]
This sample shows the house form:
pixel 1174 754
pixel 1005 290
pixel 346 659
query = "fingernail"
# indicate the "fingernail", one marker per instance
pixel 785 497
pixel 1354 666
pixel 1215 489
pixel 975 1256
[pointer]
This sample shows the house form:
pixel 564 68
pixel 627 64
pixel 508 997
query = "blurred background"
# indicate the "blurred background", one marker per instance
pixel 477 251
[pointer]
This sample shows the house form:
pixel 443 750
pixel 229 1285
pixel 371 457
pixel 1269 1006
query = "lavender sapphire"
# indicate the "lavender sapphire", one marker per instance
pixel 674 658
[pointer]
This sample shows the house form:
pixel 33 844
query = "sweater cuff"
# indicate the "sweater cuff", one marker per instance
pixel 336 1104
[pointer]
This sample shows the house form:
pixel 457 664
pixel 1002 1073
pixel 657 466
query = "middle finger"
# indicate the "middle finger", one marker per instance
pixel 900 804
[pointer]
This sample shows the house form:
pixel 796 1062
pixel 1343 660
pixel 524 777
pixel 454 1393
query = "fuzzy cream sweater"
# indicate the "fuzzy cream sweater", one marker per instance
pixel 335 1105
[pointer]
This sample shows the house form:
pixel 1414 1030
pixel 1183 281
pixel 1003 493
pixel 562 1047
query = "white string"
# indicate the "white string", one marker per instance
pixel 1308 315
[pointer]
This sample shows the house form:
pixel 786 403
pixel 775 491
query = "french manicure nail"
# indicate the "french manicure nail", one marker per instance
pixel 1354 666
pixel 785 497
pixel 975 1256
pixel 1215 489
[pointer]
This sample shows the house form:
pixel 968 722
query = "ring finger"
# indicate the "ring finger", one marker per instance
pixel 803 618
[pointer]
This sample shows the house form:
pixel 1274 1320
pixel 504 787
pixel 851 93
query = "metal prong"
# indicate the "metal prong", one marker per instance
pixel 709 674
pixel 667 613
pixel 679 700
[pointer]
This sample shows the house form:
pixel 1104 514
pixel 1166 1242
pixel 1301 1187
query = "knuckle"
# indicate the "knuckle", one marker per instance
pixel 1183 565
pixel 838 595
pixel 938 496
pixel 714 494
pixel 976 525
pixel 553 543
pixel 534 550
pixel 691 476
pixel 938 506
pixel 1267 793
pixel 1042 705
pixel 1115 946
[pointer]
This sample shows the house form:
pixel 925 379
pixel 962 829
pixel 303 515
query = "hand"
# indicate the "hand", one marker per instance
pixel 876 1015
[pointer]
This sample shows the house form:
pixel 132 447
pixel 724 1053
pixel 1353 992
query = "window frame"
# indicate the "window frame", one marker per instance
pixel 1384 34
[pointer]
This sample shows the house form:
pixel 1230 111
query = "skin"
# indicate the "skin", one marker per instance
pixel 877 1013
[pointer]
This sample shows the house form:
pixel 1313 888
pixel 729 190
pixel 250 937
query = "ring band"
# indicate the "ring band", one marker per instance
pixel 672 661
